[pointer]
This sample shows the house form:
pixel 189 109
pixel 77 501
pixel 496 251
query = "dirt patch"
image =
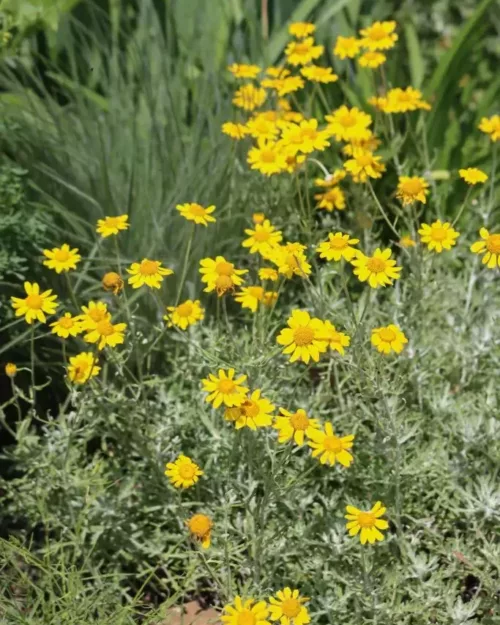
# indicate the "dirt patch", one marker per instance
pixel 191 614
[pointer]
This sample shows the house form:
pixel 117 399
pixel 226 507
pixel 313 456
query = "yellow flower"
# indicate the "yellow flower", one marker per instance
pixel 401 101
pixel 378 270
pixel 262 238
pixel 220 275
pixel 337 341
pixel 412 189
pixel 106 333
pixel 225 389
pixel 36 304
pixel 200 528
pixel 255 412
pixel 347 47
pixel 473 175
pixel 62 258
pixel 290 260
pixel 303 337
pixel 258 218
pixel 331 180
pixel 347 124
pixel 67 326
pixel 241 70
pixel 197 213
pixel 319 74
pixel 491 126
pixel 10 370
pixel 183 473
pixel 330 199
pixel 186 314
pixel 245 612
pixel 305 137
pixel 284 84
pixel 388 338
pixel 371 144
pixel 270 298
pixel 93 314
pixel 303 52
pixel 82 367
pixel 301 29
pixel 268 273
pixel 331 448
pixel 379 36
pixel 364 165
pixel 438 236
pixel 337 247
pixel 372 59
pixel 262 127
pixel 366 524
pixel 294 425
pixel 288 607
pixel 249 97
pixel 250 297
pixel 112 225
pixel 267 157
pixel 491 245
pixel 235 131
pixel 406 241
pixel 148 272
pixel 233 413
pixel 112 281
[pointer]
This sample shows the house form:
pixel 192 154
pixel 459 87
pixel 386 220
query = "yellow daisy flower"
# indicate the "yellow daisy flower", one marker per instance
pixel 303 338
pixel 401 101
pixel 491 126
pixel 372 59
pixel 287 607
pixel 379 36
pixel 371 144
pixel 106 333
pixel 220 275
pixel 197 213
pixel 388 339
pixel 112 225
pixel 270 298
pixel 255 412
pixel 184 315
pixel 301 29
pixel 412 189
pixel 346 124
pixel 244 612
pixel 304 137
pixel 93 314
pixel 249 97
pixel 473 175
pixel 332 198
pixel 67 326
pixel 315 73
pixel 491 245
pixel 250 297
pixel 268 273
pixel 366 524
pixel 337 247
pixel 331 180
pixel 62 258
pixel 303 52
pixel 242 70
pixel 438 236
pixel 258 218
pixel 331 448
pixel 294 425
pixel 148 272
pixel 290 260
pixel 225 389
pixel 200 527
pixel 267 157
pixel 378 270
pixel 262 238
pixel 235 131
pixel 337 341
pixel 82 367
pixel 406 241
pixel 364 165
pixel 35 304
pixel 285 84
pixel 10 370
pixel 347 47
pixel 262 127
pixel 112 281
pixel 183 473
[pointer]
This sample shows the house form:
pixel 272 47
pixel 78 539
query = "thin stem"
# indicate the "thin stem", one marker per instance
pixel 384 215
pixel 492 180
pixel 185 265
pixel 464 204
pixel 32 360
pixel 71 291
pixel 265 19
pixel 320 165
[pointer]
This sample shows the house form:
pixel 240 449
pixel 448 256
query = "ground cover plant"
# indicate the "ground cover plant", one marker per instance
pixel 269 307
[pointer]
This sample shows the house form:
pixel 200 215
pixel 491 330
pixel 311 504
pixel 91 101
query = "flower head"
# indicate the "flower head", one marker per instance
pixel 284 83
pixel 82 367
pixel 303 337
pixel 242 70
pixel 185 314
pixel 346 124
pixel 112 281
pixel 303 52
pixel 183 473
pixel 473 175
pixel 267 157
pixel 244 612
pixel 337 341
pixel 331 180
pixel 255 412
pixel 331 448
pixel 262 238
pixel 347 47
pixel 491 126
pixel 148 272
pixel 290 260
pixel 270 298
pixel 62 258
pixel 106 333
pixel 67 326
pixel 338 246
pixel 287 607
pixel 366 524
pixel 112 225
pixel 301 29
pixel 315 73
pixel 93 314
pixel 363 165
pixel 438 236
pixel 260 127
pixel 35 304
pixel 401 101
pixel 372 59
pixel 331 198
pixel 225 389
pixel 294 425
pixel 249 97
pixel 412 189
pixel 304 137
pixel 378 270
pixel 258 218
pixel 388 339
pixel 200 528
pixel 10 369
pixel 220 275
pixel 235 131
pixel 197 213
pixel 406 241
pixel 250 297
pixel 371 144
pixel 489 245
pixel 379 36
pixel 268 273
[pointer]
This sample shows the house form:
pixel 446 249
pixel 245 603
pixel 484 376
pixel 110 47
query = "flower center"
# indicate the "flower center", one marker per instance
pixel 187 471
pixel 256 291
pixel 185 310
pixel 309 133
pixel 111 279
pixel 332 443
pixel 34 301
pixel 197 210
pixel 246 617
pixel 337 243
pixel 96 314
pixel 261 235
pixel 268 156
pixel 223 284
pixel 438 233
pixel 493 243
pixel 412 187
pixel 226 386
pixel 200 524
pixel 105 328
pixel 148 267
pixel 364 160
pixel 224 268
pixel 112 222
pixel 348 120
pixel 251 409
pixel 387 335
pixel 366 519
pixel 66 322
pixel 377 32
pixel 376 265
pixel 301 48
pixel 299 420
pixel 290 607
pixel 303 336
pixel 61 255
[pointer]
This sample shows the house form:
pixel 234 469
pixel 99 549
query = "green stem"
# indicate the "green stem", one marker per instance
pixel 492 180
pixel 384 214
pixel 464 204
pixel 185 265
pixel 32 360
pixel 71 291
